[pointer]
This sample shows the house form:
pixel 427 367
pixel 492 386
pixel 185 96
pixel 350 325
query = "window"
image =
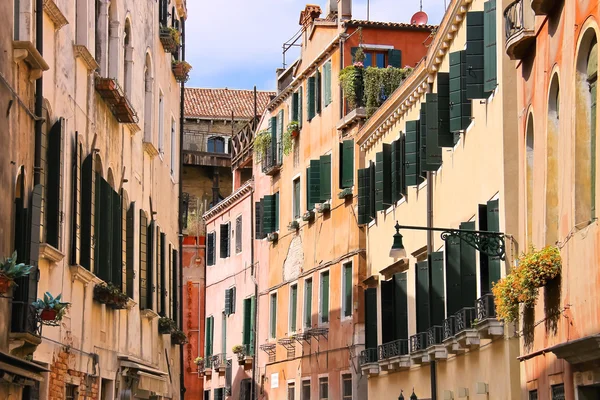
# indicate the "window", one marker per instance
pixel 323 388
pixel 238 234
pixel 305 390
pixel 347 290
pixel 148 102
pixel 248 329
pixel 296 198
pixel 308 303
pixel 71 392
pixel 552 166
pixel 558 392
pixel 216 145
pixel 291 391
pixel 54 198
pixel 161 124
pixel 375 59
pixel 207 395
pixel 324 296
pixel 529 143
pixel 209 330
pixel 127 59
pixel 346 166
pixel 293 307
pixel 347 387
pixel 210 248
pixel 225 240
pixel 219 394
pixel 327 83
pixel 230 301
pixel 533 395
pixel 223 333
pixel 276 197
pixel 273 317
pixel 173 146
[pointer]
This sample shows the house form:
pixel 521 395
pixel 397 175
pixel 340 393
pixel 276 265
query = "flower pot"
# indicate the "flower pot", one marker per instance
pixel 295 133
pixel 5 284
pixel 48 314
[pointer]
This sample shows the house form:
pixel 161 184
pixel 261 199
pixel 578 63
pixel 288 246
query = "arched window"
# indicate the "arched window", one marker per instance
pixel 216 145
pixel 114 51
pixel 148 100
pixel 127 59
pixel 529 145
pixel 552 163
pixel 20 227
pixel 585 129
pixel 101 11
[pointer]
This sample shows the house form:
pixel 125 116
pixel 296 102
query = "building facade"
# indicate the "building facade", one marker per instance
pixel 431 326
pixel 95 193
pixel 554 46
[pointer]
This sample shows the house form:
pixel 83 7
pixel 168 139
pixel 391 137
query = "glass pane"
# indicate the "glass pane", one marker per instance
pixel 368 60
pixel 306 390
pixel 323 389
pixel 291 391
pixel 533 395
pixel 380 60
pixel 558 392
pixel 347 387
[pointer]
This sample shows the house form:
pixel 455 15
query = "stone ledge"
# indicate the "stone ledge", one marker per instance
pixel 83 275
pixel 51 253
pixel 26 51
pixel 84 53
pixel 148 314
pixel 57 17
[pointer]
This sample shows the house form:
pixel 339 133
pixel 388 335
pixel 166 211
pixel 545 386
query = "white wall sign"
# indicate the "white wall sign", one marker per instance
pixel 275 380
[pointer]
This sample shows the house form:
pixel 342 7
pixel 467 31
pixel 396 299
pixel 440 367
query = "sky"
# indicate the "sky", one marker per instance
pixel 238 43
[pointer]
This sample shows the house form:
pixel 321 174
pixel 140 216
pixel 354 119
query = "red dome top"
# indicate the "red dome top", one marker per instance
pixel 420 18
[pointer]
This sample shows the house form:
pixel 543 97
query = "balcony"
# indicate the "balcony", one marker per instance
pixel 417 347
pixel 435 349
pixel 519 21
pixel 465 335
pixel 26 329
pixel 241 144
pixel 486 323
pixel 271 160
pixel 394 355
pixel 195 151
pixel 246 357
pixel 114 97
pixel 207 368
pixel 543 7
pixel 219 362
pixel 368 362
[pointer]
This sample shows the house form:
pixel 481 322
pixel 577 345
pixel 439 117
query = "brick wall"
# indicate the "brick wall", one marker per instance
pixel 61 375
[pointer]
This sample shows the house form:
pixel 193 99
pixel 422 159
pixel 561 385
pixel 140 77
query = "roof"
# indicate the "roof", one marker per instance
pixel 390 25
pixel 219 103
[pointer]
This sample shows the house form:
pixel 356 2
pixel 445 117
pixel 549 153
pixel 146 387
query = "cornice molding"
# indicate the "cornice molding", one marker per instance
pixel 233 198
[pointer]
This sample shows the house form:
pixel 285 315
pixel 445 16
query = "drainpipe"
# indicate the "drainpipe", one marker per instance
pixel 255 316
pixel 433 371
pixel 39 94
pixel 180 294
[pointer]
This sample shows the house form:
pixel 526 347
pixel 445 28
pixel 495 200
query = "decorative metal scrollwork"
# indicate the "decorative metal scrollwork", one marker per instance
pixel 488 243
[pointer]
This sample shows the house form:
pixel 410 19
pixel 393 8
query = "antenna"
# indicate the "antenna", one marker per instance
pixel 421 6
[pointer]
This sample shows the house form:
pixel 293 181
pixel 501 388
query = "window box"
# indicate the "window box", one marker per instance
pixel 124 112
pixel 170 39
pixel 111 296
pixel 181 70
pixel 308 216
pixel 272 237
pixel 293 226
pixel 345 193
pixel 323 207
pixel 166 326
pixel 178 337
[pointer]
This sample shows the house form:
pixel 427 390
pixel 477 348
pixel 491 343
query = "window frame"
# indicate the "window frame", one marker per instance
pixel 296 202
pixel 161 123
pixel 303 386
pixel 344 302
pixel 291 309
pixel 241 239
pixel 173 145
pixel 291 385
pixel 321 274
pixel 214 139
pixel 323 379
pixel 344 377
pixel 304 310
pixel 272 315
pixel 75 389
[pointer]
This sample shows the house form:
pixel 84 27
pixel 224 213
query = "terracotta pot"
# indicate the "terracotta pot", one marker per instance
pixel 48 314
pixel 5 284
pixel 295 133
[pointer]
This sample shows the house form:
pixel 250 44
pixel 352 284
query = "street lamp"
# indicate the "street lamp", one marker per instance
pixel 401 397
pixel 413 396
pixel 486 242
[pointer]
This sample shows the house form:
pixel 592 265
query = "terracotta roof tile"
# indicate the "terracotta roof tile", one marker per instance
pixel 377 24
pixel 219 103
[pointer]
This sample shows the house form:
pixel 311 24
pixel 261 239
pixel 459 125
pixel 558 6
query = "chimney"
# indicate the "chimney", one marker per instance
pixel 344 10
pixel 310 13
pixel 331 9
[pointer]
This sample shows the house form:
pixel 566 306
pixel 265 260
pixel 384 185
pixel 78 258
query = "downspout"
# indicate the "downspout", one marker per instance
pixel 433 371
pixel 39 94
pixel 255 316
pixel 181 119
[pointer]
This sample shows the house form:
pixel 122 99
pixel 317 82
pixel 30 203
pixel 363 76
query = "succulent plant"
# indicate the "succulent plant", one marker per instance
pixel 11 270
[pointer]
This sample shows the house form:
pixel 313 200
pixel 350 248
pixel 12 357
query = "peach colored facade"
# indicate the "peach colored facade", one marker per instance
pixel 558 160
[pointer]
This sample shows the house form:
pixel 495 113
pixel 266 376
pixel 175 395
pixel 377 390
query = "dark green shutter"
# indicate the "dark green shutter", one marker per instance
pixel 395 58
pixel 453 276
pixel 318 91
pixel 388 323
pixel 445 137
pixel 269 213
pixel 175 289
pixel 346 164
pixel 88 198
pixel 210 249
pixel 308 303
pixel 327 91
pixel 433 152
pixel 364 193
pixel 300 107
pixel 371 318
pixel 280 136
pixel 227 301
pixel 35 226
pixel 475 46
pixel 247 319
pixel 144 261
pixel 468 269
pixel 116 262
pixel 325 179
pixel 422 296
pixel 401 305
pixel 233 300
pixel 274 142
pixel 412 167
pixel 293 307
pixel 398 186
pixel 294 116
pixel 163 274
pixel 124 253
pixel 53 206
pixel 252 323
pixel 484 271
pixel 208 333
pixel 437 288
pixel 314 184
pixel 489 41
pixel 129 254
pixel 76 203
pixel 460 106
pixel 383 175
pixel 273 316
pixel 493 221
pixel 310 98
pixel 325 297
pixel 424 145
pixel 224 240
pixel 104 219
pixel 276 212
pixel 258 222
pixel 151 285
pixel 348 290
pixel 372 211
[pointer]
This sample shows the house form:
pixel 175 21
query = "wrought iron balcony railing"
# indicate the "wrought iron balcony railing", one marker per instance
pixel 449 326
pixel 25 319
pixel 367 356
pixel 418 342
pixel 519 21
pixel 271 160
pixel 434 335
pixel 463 319
pixel 393 349
pixel 219 360
pixel 485 307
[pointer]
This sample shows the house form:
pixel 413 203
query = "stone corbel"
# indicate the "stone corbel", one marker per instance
pixel 149 314
pixel 83 275
pixel 51 253
pixel 26 51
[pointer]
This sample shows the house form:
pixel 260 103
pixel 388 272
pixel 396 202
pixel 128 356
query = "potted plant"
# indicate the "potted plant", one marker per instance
pixel 51 308
pixel 178 337
pixel 294 128
pixel 10 270
pixel 170 37
pixel 112 296
pixel 199 361
pixel 181 70
pixel 240 351
pixel 262 141
pixel 166 326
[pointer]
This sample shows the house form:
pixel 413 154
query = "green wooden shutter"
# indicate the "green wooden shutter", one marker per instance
pixel 308 303
pixel 280 121
pixel 401 305
pixel 227 301
pixel 269 213
pixel 247 319
pixel 208 333
pixel 325 179
pixel 54 199
pixel 490 61
pixel 35 227
pixel 163 274
pixel 294 116
pixel 307 181
pixel 325 297
pixel 364 193
pixel 398 188
pixel 383 175
pixel 293 308
pixel 327 84
pixel 104 220
pixel 272 160
pixel 371 318
pixel 468 269
pixel 314 184
pixel 423 138
pixel 310 98
pixel 151 284
pixel 484 272
pixel 395 58
pixel 116 265
pixel 210 249
pixel 76 203
pixel 318 91
pixel 412 167
pixel 276 213
pixel 372 211
pixel 453 275
pixel 258 220
pixel 233 300
pixel 175 288
pixel 129 254
pixel 88 199
pixel 348 290
pixel 252 323
pixel 433 152
pixel 445 137
pixel 427 120
pixel 143 280
pixel 475 46
pixel 388 323
pixel 422 296
pixel 347 164
pixel 124 254
pixel 436 260
pixel 460 106
pixel 300 107
pixel 273 314
pixel 224 240
pixel 493 221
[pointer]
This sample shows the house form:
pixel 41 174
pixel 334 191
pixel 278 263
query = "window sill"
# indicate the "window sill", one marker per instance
pixel 83 275
pixel 148 313
pixel 26 51
pixel 81 51
pixel 357 115
pixel 133 128
pixel 51 253
pixel 150 149
pixel 57 17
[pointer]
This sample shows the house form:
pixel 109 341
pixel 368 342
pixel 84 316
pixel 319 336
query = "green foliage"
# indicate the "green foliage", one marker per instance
pixel 52 303
pixel 380 83
pixel 237 349
pixel 111 295
pixel 262 141
pixel 288 142
pixel 351 78
pixel 166 325
pixel 359 56
pixel 199 361
pixel 11 270
pixel 535 269
pixel 178 337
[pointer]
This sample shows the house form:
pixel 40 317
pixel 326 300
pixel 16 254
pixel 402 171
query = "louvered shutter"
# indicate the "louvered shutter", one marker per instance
pixel 238 234
pixel 269 213
pixel 395 58
pixel 247 319
pixel 307 181
pixel 129 255
pixel 433 152
pixel 453 275
pixel 273 319
pixel 475 49
pixel 422 296
pixel 294 110
pixel 252 323
pixel 489 41
pixel 280 137
pixel 308 303
pixel 276 213
pixel 227 301
pixel 228 373
pixel 412 167
pixel 144 284
pixel 21 224
pixel 175 290
pixel 314 184
pixel 310 98
pixel 169 289
pixel 293 307
pixel 210 249
pixel 445 137
pixel 151 283
pixel 208 336
pixel 54 190
pixel 233 300
pixel 460 106
pixel 348 290
pixel 300 116
pixel 438 307
pixel 325 297
pixel 372 191
pixel 88 200
pixel 35 226
pixel 346 164
pixel 116 262
pixel 468 269
pixel 76 203
pixel 371 318
pixel 258 222
pixel 274 142
pixel 388 323
pixel 224 240
pixel 124 253
pixel 104 223
pixel 163 274
pixel 401 305
pixel 325 178
pixel 484 272
pixel 493 222
pixel 397 169
pixel 327 83
pixel 383 172
pixel 364 191
pixel 159 273
pixel 318 91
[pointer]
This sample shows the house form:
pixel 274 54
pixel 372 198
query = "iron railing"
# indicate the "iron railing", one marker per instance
pixel 367 356
pixel 208 362
pixel 418 342
pixel 448 326
pixel 434 335
pixel 272 158
pixel 25 319
pixel 463 319
pixel 219 360
pixel 393 349
pixel 485 307
pixel 241 142
pixel 514 18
